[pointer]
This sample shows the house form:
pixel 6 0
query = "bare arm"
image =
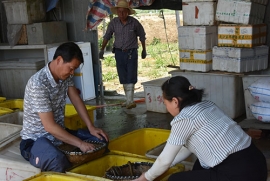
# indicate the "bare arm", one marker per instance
pixel 60 133
pixel 104 43
pixel 81 109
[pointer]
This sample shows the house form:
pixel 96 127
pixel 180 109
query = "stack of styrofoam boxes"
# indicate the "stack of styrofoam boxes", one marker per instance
pixel 27 19
pixel 241 44
pixel 198 35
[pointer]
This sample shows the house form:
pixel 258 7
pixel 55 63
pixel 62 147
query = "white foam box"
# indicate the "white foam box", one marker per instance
pixel 153 95
pixel 8 133
pixel 47 32
pixel 240 60
pixel 240 12
pixel 197 37
pixel 199 13
pixel 12 118
pixel 196 60
pixel 15 74
pixel 247 81
pixel 245 36
pixel 225 90
pixel 25 11
pixel 13 166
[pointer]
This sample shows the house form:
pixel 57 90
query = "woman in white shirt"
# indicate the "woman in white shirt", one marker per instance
pixel 224 151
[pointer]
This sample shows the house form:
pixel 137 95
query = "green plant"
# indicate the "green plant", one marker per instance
pixel 155 41
pixel 109 61
pixel 109 76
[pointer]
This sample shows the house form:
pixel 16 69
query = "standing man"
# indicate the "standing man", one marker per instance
pixel 126 31
pixel 44 108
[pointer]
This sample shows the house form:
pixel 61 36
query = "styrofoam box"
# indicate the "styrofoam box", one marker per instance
pixel 199 13
pixel 245 36
pixel 240 59
pixel 197 60
pixel 153 95
pixel 13 118
pixel 8 133
pixel 241 12
pixel 25 11
pixel 47 32
pixel 15 74
pixel 247 81
pixel 13 166
pixel 197 37
pixel 225 90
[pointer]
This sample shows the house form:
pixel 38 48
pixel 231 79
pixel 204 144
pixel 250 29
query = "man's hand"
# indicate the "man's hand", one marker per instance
pixel 144 54
pixel 99 133
pixel 101 53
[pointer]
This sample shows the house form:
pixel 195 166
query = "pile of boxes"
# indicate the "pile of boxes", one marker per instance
pixel 227 35
pixel 26 19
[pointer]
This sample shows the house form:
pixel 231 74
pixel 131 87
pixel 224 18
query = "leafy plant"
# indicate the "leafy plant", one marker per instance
pixel 109 61
pixel 109 76
pixel 155 41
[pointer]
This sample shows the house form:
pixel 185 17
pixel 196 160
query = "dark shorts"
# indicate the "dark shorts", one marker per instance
pixel 127 65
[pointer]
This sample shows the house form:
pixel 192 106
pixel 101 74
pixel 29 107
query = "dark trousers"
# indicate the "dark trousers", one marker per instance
pixel 127 65
pixel 245 165
pixel 46 156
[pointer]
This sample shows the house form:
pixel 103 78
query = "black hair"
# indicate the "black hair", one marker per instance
pixel 180 87
pixel 69 51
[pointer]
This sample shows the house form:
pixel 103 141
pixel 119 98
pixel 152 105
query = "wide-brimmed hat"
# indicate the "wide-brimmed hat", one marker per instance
pixel 122 4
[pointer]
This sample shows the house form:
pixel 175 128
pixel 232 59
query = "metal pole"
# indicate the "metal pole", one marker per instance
pixel 100 79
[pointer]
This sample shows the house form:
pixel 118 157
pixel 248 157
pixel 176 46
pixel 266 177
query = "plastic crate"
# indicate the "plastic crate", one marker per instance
pixel 13 104
pixel 12 118
pixel 54 176
pixel 146 138
pixel 4 111
pixel 9 133
pixel 73 121
pixel 2 99
pixel 100 165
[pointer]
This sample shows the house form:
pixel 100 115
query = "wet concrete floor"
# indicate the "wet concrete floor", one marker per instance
pixel 116 120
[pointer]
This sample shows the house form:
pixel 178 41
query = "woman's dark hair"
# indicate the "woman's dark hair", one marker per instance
pixel 180 87
pixel 69 51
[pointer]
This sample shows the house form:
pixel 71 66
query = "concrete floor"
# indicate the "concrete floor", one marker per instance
pixel 117 121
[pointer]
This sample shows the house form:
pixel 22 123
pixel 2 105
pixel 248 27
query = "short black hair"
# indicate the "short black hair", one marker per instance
pixel 69 51
pixel 180 87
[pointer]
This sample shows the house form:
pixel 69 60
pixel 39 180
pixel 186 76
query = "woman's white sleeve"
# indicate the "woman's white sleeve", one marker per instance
pixel 163 162
pixel 181 155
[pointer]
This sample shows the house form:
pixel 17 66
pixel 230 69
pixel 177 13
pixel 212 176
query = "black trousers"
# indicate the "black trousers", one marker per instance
pixel 245 165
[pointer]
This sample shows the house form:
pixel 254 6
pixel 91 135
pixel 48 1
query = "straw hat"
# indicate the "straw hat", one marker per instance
pixel 122 4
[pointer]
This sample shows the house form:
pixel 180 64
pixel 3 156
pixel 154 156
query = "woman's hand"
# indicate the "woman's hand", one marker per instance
pixel 141 178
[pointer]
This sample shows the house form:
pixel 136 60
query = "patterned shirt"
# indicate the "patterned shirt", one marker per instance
pixel 207 132
pixel 125 35
pixel 43 94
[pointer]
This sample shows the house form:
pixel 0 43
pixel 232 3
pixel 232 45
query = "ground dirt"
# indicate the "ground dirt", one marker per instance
pixel 154 28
